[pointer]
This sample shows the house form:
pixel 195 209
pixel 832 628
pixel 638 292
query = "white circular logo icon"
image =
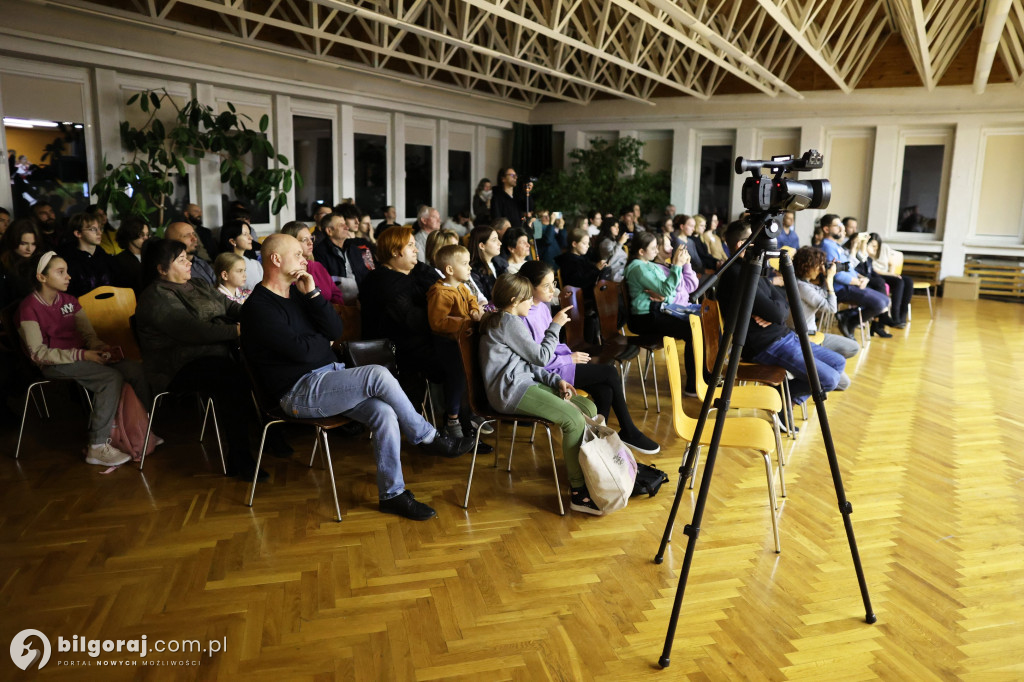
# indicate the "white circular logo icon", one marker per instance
pixel 30 648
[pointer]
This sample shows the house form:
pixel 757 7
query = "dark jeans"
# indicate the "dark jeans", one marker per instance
pixel 870 302
pixel 901 290
pixel 786 352
pixel 604 385
pixel 659 324
pixel 225 381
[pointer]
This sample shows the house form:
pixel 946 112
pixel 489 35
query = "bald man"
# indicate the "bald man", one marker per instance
pixel 186 234
pixel 207 244
pixel 288 328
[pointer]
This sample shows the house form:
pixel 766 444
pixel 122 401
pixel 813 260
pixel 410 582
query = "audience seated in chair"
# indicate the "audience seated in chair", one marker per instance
pixel 132 236
pixel 186 234
pixel 817 295
pixel 88 264
pixel 288 327
pixel 347 258
pixel 851 287
pixel 320 275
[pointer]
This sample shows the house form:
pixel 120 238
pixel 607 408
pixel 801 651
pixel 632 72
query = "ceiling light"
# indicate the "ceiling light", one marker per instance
pixel 28 123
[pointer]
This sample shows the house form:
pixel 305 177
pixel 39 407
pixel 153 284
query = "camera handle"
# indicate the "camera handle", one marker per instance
pixel 735 335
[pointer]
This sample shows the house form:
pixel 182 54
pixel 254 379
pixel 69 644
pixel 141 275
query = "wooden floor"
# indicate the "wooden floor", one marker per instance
pixel 929 439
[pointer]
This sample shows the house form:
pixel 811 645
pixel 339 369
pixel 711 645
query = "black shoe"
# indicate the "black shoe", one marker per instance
pixel 443 446
pixel 639 442
pixel 878 329
pixel 406 505
pixel 482 449
pixel 785 429
pixel 845 324
pixel 581 501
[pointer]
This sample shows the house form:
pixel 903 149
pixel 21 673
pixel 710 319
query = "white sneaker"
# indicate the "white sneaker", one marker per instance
pixel 106 455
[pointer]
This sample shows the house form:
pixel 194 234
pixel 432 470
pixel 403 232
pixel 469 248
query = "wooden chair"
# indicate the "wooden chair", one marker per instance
pixel 762 398
pixel 109 310
pixel 272 414
pixel 739 432
pixel 608 296
pixel 37 380
pixel 924 272
pixel 469 347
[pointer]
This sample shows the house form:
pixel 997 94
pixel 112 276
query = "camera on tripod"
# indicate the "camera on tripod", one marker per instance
pixel 763 194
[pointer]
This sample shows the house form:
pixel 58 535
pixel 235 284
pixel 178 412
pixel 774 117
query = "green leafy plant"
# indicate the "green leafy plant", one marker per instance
pixel 607 176
pixel 142 184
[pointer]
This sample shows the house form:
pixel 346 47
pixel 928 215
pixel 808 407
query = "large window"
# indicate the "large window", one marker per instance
pixel 460 188
pixel 371 164
pixel 716 170
pixel 419 160
pixel 47 162
pixel 313 158
pixel 921 188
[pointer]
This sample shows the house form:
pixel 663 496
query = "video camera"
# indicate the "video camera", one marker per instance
pixel 762 194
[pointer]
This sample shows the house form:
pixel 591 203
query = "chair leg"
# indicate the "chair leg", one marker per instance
pixel 312 455
pixel 928 293
pixel 24 413
pixel 787 399
pixel 533 432
pixel 512 445
pixel 472 463
pixel 497 439
pixel 803 408
pixel 654 371
pixel 149 427
pixel 778 454
pixel 259 460
pixel 696 463
pixel 554 470
pixel 216 431
pixel 643 388
pixel 326 452
pixel 772 504
pixel 42 396
pixel 865 335
pixel 206 416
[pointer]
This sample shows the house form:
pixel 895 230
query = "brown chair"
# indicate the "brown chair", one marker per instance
pixel 351 322
pixel 615 351
pixel 272 414
pixel 469 347
pixel 109 310
pixel 607 293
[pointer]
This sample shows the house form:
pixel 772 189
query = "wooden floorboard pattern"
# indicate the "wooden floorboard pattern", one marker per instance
pixel 929 441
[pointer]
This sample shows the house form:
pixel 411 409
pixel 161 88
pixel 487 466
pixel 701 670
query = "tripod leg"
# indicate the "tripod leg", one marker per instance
pixel 845 508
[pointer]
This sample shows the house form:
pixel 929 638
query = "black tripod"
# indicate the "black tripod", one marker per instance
pixel 761 243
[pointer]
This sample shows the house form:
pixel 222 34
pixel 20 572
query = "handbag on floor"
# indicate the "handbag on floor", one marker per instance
pixel 609 467
pixel 130 422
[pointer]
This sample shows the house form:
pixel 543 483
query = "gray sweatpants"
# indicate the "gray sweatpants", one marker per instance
pixel 104 382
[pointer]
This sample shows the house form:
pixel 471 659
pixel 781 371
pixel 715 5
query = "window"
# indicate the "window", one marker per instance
pixel 418 177
pixel 371 165
pixel 460 190
pixel 716 171
pixel 260 214
pixel 48 163
pixel 921 188
pixel 313 158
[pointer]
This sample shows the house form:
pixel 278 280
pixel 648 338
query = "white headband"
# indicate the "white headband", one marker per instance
pixel 44 261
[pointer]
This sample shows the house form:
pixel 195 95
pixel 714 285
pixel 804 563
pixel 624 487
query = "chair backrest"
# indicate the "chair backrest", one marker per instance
pixel 109 310
pixel 351 322
pixel 684 426
pixel 606 299
pixel 697 341
pixel 573 296
pixel 896 263
pixel 711 323
pixel 476 396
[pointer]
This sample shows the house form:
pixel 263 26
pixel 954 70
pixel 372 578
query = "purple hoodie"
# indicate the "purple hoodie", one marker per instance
pixel 537 321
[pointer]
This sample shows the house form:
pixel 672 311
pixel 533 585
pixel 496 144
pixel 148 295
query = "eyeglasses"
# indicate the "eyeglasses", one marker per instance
pixel 94 228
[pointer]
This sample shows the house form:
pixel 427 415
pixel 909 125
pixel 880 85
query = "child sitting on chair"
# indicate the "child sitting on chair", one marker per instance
pixel 513 363
pixel 451 308
pixel 62 342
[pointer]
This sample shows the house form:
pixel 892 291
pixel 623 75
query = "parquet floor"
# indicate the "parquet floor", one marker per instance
pixel 929 443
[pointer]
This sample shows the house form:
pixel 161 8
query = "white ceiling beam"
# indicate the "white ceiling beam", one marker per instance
pixel 776 13
pixel 764 80
pixel 537 27
pixel 921 38
pixel 995 22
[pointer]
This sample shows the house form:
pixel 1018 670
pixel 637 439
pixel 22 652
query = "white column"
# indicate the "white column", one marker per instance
pixel 479 155
pixel 440 192
pixel 811 137
pixel 282 136
pixel 574 139
pixel 746 145
pixel 345 166
pixel 685 169
pixel 6 196
pixel 398 165
pixel 106 100
pixel 207 185
pixel 884 193
pixel 964 183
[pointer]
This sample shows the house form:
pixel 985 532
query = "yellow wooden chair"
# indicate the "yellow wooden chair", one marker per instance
pixel 753 397
pixel 740 432
pixel 110 310
pixel 919 284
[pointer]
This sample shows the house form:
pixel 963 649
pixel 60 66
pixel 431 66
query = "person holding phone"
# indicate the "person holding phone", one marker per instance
pixel 650 285
pixel 816 284
pixel 62 343
pixel 516 382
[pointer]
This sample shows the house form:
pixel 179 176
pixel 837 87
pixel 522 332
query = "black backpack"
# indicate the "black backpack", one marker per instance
pixel 648 480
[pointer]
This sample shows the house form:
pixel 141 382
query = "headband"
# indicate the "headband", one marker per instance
pixel 44 261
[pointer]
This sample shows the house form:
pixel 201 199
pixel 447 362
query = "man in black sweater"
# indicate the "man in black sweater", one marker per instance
pixel 769 341
pixel 287 331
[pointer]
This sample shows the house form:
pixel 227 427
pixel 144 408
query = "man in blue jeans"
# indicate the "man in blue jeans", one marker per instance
pixel 769 341
pixel 850 286
pixel 287 331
